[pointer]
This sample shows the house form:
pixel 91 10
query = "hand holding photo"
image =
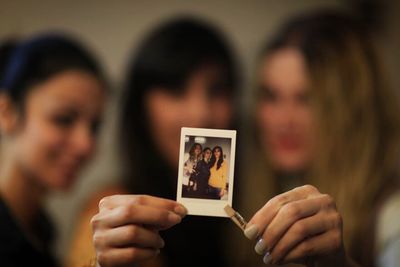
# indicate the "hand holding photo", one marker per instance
pixel 206 170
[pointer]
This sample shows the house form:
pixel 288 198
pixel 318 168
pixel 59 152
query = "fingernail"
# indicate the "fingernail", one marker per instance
pixel 261 246
pixel 162 243
pixel 267 258
pixel 174 218
pixel 181 210
pixel 251 232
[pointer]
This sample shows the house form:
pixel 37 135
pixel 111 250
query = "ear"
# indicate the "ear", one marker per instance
pixel 8 115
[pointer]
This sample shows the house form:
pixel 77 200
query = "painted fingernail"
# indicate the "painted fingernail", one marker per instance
pixel 181 210
pixel 251 232
pixel 261 246
pixel 267 258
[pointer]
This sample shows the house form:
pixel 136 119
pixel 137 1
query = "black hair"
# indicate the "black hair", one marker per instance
pixel 206 148
pixel 166 59
pixel 6 49
pixel 42 57
pixel 221 158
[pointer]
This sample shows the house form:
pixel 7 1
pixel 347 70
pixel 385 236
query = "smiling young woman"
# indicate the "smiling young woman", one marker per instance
pixel 51 103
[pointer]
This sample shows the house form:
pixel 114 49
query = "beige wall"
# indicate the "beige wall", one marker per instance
pixel 113 29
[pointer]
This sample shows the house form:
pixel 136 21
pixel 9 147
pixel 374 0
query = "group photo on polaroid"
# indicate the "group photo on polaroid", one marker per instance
pixel 206 170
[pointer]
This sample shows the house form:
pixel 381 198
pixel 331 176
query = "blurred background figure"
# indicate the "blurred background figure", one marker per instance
pixel 325 116
pixel 51 102
pixel 182 74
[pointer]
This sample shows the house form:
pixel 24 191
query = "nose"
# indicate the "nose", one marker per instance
pixel 198 109
pixel 83 141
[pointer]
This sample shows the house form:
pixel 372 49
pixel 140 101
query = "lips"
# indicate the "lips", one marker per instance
pixel 288 143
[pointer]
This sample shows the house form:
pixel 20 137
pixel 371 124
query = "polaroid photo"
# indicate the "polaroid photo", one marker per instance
pixel 206 170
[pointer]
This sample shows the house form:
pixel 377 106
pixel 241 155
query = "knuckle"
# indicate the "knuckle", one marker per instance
pixel 291 210
pixel 278 201
pixel 95 221
pixel 102 258
pixel 338 220
pixel 125 213
pixel 103 203
pixel 140 200
pixel 336 240
pixel 98 240
pixel 330 202
pixel 310 188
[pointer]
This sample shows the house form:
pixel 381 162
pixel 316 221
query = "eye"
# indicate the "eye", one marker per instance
pixel 64 120
pixel 267 94
pixel 95 126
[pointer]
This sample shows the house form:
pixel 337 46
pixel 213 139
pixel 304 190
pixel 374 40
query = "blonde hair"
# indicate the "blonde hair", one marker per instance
pixel 356 118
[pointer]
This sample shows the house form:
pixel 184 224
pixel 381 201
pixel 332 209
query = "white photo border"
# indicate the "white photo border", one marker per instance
pixel 206 207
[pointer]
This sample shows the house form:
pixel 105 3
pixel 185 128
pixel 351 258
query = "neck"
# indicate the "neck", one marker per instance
pixel 21 193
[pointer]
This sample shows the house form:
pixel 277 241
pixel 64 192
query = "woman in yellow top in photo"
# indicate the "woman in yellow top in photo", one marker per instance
pixel 218 174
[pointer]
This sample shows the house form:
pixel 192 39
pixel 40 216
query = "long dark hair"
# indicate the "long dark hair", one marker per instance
pixel 166 59
pixel 213 158
pixel 42 57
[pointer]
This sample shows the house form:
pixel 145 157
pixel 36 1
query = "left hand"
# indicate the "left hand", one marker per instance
pixel 222 193
pixel 299 226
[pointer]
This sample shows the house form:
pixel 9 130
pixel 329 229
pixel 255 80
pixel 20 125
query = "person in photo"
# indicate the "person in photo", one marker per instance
pixel 190 171
pixel 218 174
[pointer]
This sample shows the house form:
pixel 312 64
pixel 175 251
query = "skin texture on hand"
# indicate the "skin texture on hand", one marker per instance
pixel 126 229
pixel 299 226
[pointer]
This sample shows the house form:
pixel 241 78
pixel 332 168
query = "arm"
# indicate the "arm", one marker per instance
pixel 224 177
pixel 300 226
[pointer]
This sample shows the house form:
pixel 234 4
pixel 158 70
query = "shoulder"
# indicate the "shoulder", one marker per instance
pixel 388 226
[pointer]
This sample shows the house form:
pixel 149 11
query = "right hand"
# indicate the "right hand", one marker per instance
pixel 126 229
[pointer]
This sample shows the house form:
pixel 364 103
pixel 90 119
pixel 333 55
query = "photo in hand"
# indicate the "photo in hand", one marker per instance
pixel 206 170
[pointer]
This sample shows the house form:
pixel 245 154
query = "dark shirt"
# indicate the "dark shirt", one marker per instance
pixel 15 248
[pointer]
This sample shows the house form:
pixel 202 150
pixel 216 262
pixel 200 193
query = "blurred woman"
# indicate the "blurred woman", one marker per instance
pixel 182 74
pixel 325 117
pixel 218 174
pixel 51 102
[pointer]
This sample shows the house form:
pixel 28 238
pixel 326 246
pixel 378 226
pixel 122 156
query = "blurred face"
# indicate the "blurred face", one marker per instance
pixel 207 155
pixel 57 133
pixel 197 106
pixel 197 150
pixel 284 116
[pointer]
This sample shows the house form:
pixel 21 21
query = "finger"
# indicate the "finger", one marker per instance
pixel 128 235
pixel 286 217
pixel 124 256
pixel 115 201
pixel 323 244
pixel 266 214
pixel 138 214
pixel 300 231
